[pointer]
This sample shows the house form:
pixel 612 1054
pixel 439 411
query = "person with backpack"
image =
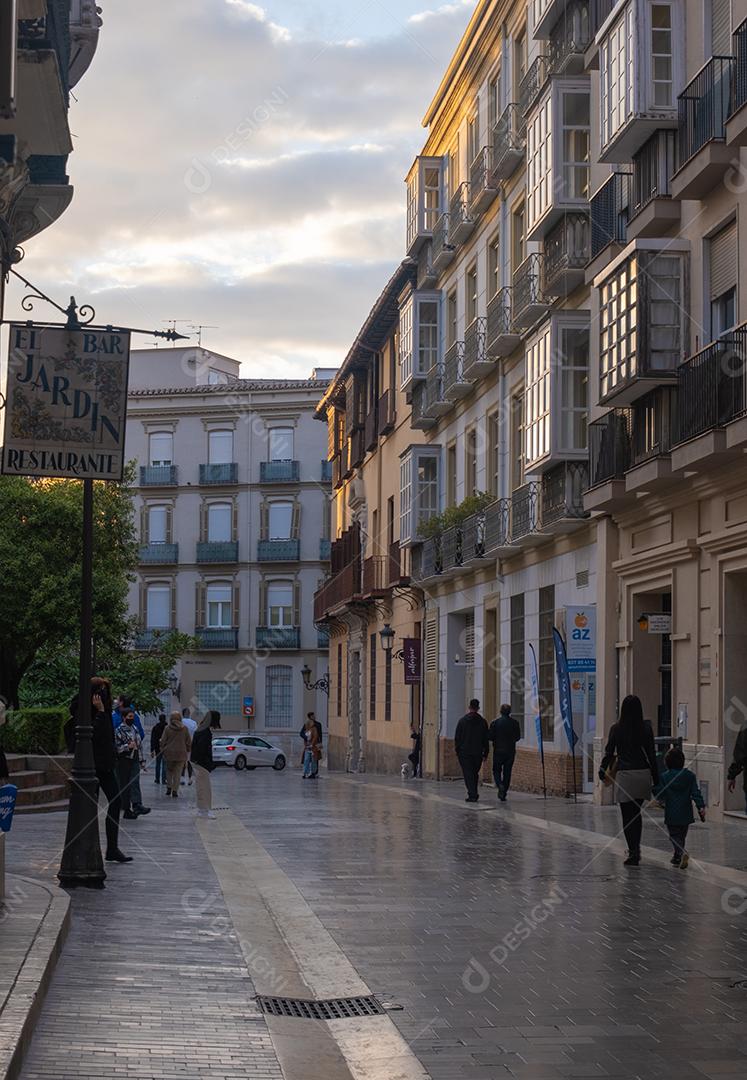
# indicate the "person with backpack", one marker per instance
pixel 629 763
pixel 678 790
pixel 472 746
pixel 504 734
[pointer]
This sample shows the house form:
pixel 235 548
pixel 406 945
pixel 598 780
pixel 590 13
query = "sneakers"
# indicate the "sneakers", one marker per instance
pixel 675 860
pixel 130 815
pixel 685 861
pixel 632 860
pixel 142 810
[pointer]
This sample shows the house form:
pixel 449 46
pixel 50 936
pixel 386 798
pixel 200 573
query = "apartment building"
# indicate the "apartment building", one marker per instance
pixel 232 495
pixel 367 603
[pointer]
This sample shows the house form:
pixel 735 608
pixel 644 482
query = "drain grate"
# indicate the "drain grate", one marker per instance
pixel 334 1009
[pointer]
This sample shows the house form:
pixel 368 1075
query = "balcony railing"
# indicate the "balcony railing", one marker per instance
pixel 609 447
pixel 218 551
pixel 525 511
pixel 703 108
pixel 442 249
pixel 456 384
pixel 387 412
pixel 653 419
pixel 473 537
pixel 500 323
pixel 509 142
pixel 394 565
pixel 152 639
pixel 713 386
pixel 327 472
pixel 422 415
pixel 599 11
pixel 430 558
pixel 610 212
pixel 529 300
pixel 532 83
pixel 372 429
pixel 476 359
pixel 159 554
pixel 461 218
pixel 451 549
pixel 570 39
pixel 497 525
pixel 653 167
pixel 482 179
pixel 567 248
pixel 278 637
pixel 563 493
pixel 325 549
pixel 739 86
pixel 214 638
pixel 278 550
pixel 279 472
pixel 338 590
pixel 158 475
pixel 226 473
pixel 375 576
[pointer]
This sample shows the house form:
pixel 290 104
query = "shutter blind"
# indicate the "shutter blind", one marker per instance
pixel 235 520
pixel 469 639
pixel 431 644
pixel 144 525
pixel 720 27
pixel 203 522
pixel 296 525
pixel 169 525
pixel 263 614
pixel 331 433
pixel 296 603
pixel 200 604
pixel 723 252
pixel 236 605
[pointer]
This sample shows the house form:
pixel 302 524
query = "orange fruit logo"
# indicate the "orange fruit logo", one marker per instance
pixel 581 620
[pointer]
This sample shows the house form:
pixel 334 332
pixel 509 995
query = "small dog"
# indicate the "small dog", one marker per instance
pixel 406 770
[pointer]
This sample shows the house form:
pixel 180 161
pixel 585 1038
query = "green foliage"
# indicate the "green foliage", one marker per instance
pixel 40 553
pixel 35 731
pixel 454 516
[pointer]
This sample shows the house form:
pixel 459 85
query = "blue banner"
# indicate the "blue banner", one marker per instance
pixel 564 688
pixel 8 794
pixel 536 706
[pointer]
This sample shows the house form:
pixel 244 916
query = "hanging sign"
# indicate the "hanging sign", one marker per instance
pixel 66 402
pixel 8 794
pixel 412 657
pixel 659 624
pixel 581 637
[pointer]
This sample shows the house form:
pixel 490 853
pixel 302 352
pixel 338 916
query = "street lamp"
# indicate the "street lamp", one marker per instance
pixel 320 684
pixel 387 643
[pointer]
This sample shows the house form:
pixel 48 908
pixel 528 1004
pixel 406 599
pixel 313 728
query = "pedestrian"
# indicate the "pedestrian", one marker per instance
pixel 739 763
pixel 130 760
pixel 312 716
pixel 678 790
pixel 202 762
pixel 125 705
pixel 176 743
pixel 312 751
pixel 191 726
pixel 155 752
pixel 504 734
pixel 629 763
pixel 472 745
pixel 104 760
pixel 414 756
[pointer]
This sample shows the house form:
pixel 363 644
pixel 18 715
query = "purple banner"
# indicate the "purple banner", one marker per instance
pixel 412 650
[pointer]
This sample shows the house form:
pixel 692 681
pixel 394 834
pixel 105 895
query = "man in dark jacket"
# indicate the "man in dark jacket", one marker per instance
pixel 471 745
pixel 302 733
pixel 504 734
pixel 739 763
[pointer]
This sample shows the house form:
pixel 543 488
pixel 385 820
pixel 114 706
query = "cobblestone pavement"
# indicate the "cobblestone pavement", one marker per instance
pixel 512 953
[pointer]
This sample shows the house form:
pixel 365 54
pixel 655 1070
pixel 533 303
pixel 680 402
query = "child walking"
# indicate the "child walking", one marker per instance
pixel 678 790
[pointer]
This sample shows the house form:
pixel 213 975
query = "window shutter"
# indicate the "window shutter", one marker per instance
pixel 296 525
pixel 236 617
pixel 203 522
pixel 263 614
pixel 469 639
pixel 296 603
pixel 173 605
pixel 169 525
pixel 431 644
pixel 723 252
pixel 143 604
pixel 235 521
pixel 144 536
pixel 331 433
pixel 264 519
pixel 200 617
pixel 720 27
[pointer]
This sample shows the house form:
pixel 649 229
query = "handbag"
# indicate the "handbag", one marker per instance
pixel 610 773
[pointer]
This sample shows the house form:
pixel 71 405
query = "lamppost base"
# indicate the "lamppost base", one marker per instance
pixel 82 863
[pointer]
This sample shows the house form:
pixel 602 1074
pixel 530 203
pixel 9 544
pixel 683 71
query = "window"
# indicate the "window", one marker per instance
pixel 216 378
pixel 494 454
pixel 451 475
pixel 390 521
pixel 576 121
pixel 574 388
pixel 424 187
pixel 158 607
pixel 451 317
pixel 279 696
pixel 517 658
pixel 618 317
pixel 616 60
pixel 662 57
pixel 158 528
pixel 281 444
pixel 427 488
pixel 420 336
pixel 280 603
pixel 723 262
pixel 161 448
pixel 454 169
pixel 546 661
pixel 518 238
pixel 223 696
pixel 280 521
pixel 218 606
pixel 520 61
pixel 431 196
pixel 471 287
pixel 429 332
pixel 372 678
pixel 219 522
pixel 517 441
pixel 494 102
pixel 494 266
pixel 721 44
pixel 540 187
pixel 220 447
pixel 538 396
pixel 419 490
pixel 339 680
pixel 470 462
pixel 473 133
pixel 388 686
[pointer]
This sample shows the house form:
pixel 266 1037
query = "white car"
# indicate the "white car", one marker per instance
pixel 247 752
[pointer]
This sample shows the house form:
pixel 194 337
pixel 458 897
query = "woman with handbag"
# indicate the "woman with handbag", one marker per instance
pixel 629 763
pixel 201 757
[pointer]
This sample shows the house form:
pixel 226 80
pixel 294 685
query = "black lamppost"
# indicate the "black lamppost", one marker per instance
pixel 387 636
pixel 320 684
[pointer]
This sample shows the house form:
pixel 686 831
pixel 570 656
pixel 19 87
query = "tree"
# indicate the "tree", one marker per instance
pixel 40 555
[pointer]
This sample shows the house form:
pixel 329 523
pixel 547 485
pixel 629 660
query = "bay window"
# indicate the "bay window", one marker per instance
pixel 424 200
pixel 419 335
pixel 420 476
pixel 556 393
pixel 558 152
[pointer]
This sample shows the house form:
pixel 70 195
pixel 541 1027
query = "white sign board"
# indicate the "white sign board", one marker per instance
pixel 659 624
pixel 66 407
pixel 581 637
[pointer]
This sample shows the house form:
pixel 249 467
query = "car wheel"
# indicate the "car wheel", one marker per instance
pixel 240 763
pixel 279 763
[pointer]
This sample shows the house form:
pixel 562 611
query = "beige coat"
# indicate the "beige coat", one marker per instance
pixel 175 744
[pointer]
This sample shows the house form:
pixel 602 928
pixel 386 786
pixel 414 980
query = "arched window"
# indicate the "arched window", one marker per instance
pixel 278 696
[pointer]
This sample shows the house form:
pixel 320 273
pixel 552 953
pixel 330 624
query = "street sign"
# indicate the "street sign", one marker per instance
pixel 8 794
pixel 66 402
pixel 248 708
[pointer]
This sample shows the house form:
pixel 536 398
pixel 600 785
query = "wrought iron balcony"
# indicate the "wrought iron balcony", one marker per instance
pixel 566 249
pixel 223 638
pixel 739 85
pixel 532 83
pixel 428 563
pixel 713 386
pixel 497 537
pixel 502 339
pixel 703 108
pixel 509 142
pixel 227 473
pixel 158 476
pixel 473 538
pixel 387 412
pixel 530 303
pixel 322 638
pixel 372 429
pixel 653 167
pixel 278 550
pixel 278 637
pixel 159 554
pixel 476 360
pixel 484 184
pixel 610 212
pixel 422 416
pixel 442 248
pixel 456 383
pixel 279 472
pixel 562 496
pixel 218 551
pixel 327 472
pixel 610 451
pixel 152 639
pixel 451 549
pixel 525 513
pixel 325 549
pixel 461 218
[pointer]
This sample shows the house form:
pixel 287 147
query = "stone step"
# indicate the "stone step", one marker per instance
pixel 28 779
pixel 44 808
pixel 16 763
pixel 43 793
pixel 53 765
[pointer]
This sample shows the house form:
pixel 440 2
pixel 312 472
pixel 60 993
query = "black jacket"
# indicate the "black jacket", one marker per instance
pixel 3 766
pixel 631 752
pixel 155 736
pixel 504 734
pixel 471 736
pixel 104 755
pixel 202 749
pixel 739 761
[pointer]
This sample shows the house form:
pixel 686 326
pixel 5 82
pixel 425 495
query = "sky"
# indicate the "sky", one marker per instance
pixel 241 166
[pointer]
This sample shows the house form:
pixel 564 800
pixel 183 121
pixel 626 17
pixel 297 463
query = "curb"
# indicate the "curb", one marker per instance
pixel 24 1003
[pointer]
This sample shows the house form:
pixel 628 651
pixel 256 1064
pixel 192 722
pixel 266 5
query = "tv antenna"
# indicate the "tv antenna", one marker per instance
pixel 199 327
pixel 172 323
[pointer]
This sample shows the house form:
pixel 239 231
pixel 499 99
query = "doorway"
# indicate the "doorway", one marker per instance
pixel 652 658
pixel 734 644
pixel 354 714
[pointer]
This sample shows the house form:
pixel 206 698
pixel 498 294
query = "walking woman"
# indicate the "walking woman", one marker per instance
pixel 155 751
pixel 202 763
pixel 312 752
pixel 175 746
pixel 630 763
